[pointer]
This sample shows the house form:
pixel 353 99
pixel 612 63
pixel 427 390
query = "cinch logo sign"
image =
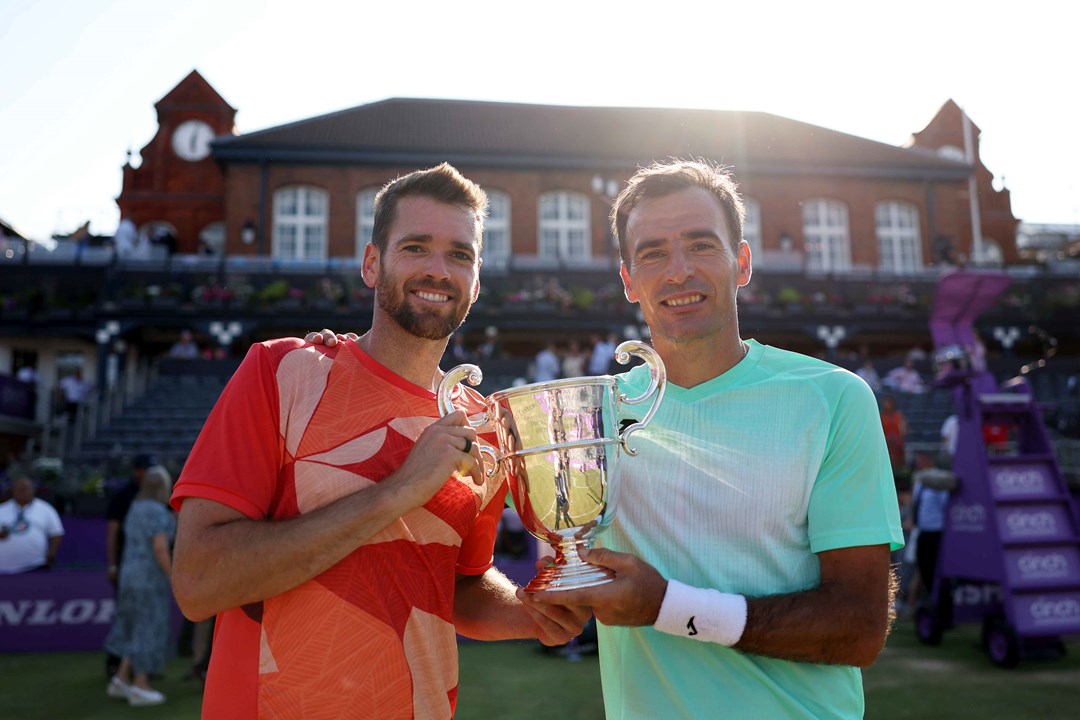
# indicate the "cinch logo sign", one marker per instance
pixel 1019 482
pixel 966 595
pixel 968 518
pixel 1045 610
pixel 1043 565
pixel 46 612
pixel 1039 522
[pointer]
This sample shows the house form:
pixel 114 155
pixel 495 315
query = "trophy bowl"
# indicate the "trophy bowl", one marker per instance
pixel 560 444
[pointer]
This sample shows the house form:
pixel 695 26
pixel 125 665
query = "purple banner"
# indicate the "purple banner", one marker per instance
pixel 57 610
pixel 1034 522
pixel 16 398
pixel 1029 480
pixel 1043 567
pixel 1047 614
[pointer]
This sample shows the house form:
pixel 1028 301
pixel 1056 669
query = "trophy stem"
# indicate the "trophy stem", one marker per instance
pixel 569 571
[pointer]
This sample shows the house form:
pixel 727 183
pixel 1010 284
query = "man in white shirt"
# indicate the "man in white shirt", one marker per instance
pixel 950 433
pixel 546 367
pixel 73 389
pixel 602 354
pixel 30 531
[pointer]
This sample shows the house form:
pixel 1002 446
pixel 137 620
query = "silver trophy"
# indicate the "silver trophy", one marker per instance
pixel 560 444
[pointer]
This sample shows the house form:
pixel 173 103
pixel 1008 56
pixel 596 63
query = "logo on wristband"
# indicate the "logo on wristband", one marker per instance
pixel 690 626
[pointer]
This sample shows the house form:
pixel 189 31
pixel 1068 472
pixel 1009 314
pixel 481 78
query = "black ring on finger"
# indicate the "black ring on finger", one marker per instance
pixel 468 446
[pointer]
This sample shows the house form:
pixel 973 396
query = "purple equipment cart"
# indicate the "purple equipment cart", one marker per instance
pixel 1010 548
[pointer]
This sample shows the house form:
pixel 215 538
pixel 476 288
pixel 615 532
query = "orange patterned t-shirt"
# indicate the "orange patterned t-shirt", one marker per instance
pixel 296 428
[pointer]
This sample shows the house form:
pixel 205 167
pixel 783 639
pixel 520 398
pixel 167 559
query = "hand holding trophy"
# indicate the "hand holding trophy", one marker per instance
pixel 560 445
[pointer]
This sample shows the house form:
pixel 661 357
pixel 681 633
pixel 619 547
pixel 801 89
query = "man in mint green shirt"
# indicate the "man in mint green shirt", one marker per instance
pixel 752 532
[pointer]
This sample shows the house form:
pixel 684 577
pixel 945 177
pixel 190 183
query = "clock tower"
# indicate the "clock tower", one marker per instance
pixel 179 186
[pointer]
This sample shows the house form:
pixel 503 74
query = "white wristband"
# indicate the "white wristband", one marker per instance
pixel 702 614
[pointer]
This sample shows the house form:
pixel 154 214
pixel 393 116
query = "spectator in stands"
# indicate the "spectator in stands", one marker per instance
pixel 458 353
pixel 185 348
pixel 28 375
pixel 916 353
pixel 513 538
pixel 30 530
pixel 546 366
pixel 603 354
pixel 73 391
pixel 905 378
pixel 870 376
pixel 950 434
pixel 126 238
pixel 573 362
pixel 929 498
pixel 978 354
pixel 895 427
pixel 490 349
pixel 119 505
pixel 140 632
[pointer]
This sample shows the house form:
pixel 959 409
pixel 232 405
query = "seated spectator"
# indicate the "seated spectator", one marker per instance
pixel 870 375
pixel 185 348
pixel 905 378
pixel 490 348
pixel 573 362
pixel 30 530
pixel 894 425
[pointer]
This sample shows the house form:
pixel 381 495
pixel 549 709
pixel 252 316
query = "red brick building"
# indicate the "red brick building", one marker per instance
pixel 819 201
pixel 179 186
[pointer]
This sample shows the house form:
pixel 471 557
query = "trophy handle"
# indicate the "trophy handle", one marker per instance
pixel 657 385
pixel 472 375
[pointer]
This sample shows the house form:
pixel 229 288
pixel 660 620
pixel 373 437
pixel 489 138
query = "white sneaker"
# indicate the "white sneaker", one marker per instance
pixel 117 688
pixel 138 696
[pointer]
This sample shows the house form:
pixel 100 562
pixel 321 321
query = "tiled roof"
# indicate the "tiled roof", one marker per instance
pixel 522 135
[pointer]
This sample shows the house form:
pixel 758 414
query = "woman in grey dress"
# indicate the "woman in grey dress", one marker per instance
pixel 140 632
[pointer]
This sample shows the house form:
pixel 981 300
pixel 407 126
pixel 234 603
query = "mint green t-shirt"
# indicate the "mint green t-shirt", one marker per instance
pixel 737 483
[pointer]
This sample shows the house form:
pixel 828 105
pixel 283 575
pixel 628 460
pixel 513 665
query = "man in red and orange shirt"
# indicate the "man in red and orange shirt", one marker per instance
pixel 342 531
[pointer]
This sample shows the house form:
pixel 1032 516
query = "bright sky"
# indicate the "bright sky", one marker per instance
pixel 79 78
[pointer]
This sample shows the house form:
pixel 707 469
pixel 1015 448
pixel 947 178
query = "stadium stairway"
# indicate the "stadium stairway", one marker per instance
pixel 164 422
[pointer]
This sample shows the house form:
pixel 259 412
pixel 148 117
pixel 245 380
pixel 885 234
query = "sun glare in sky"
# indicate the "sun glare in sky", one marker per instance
pixel 89 73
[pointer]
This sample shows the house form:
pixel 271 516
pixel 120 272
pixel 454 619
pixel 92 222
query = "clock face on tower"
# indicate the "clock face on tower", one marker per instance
pixel 191 140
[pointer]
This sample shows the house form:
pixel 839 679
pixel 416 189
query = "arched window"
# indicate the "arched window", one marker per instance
pixel 365 219
pixel 826 235
pixel 300 215
pixel 899 244
pixel 564 226
pixel 496 252
pixel 991 253
pixel 212 239
pixel 751 231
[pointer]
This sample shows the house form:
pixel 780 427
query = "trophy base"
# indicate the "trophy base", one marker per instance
pixel 569 572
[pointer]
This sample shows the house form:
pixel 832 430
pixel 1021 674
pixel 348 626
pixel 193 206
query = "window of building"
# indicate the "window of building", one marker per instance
pixel 300 217
pixel 826 235
pixel 751 231
pixel 212 239
pixel 365 219
pixel 496 252
pixel 899 244
pixel 564 226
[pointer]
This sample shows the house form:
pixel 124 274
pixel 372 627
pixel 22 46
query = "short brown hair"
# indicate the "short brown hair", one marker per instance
pixel 665 178
pixel 442 183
